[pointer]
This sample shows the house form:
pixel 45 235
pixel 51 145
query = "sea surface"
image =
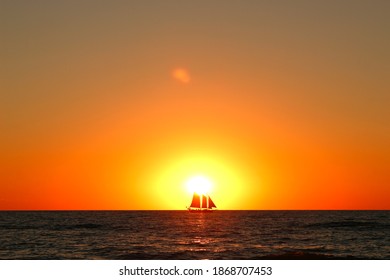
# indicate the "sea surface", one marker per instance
pixel 182 235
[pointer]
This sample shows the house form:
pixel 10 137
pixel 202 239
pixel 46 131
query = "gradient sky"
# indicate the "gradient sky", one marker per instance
pixel 115 104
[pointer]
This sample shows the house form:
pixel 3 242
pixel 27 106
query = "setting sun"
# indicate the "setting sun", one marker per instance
pixel 198 184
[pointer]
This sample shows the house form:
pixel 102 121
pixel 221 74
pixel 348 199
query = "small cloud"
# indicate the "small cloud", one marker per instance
pixel 181 75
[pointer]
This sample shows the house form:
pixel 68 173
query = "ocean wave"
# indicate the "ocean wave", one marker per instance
pixel 350 224
pixel 56 227
pixel 301 255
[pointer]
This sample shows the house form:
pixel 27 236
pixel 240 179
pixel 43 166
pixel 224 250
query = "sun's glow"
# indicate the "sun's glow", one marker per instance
pixel 174 186
pixel 198 184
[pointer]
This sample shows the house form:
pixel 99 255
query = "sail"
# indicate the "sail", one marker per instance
pixel 201 203
pixel 195 201
pixel 204 201
pixel 211 203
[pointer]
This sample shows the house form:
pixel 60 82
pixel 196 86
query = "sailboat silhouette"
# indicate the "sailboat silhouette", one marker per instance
pixel 201 203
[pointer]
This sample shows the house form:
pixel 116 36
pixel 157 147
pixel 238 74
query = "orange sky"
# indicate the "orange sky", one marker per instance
pixel 115 105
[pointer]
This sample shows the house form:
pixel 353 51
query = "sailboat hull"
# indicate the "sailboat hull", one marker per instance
pixel 200 210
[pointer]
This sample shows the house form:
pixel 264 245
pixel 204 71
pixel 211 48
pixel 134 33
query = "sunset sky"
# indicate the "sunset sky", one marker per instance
pixel 116 104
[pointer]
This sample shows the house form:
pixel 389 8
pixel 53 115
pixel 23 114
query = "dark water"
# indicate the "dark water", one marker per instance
pixel 183 235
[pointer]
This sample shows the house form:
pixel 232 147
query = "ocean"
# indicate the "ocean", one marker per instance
pixel 166 235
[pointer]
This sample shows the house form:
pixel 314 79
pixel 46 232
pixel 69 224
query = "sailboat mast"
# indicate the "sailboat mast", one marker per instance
pixel 201 202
